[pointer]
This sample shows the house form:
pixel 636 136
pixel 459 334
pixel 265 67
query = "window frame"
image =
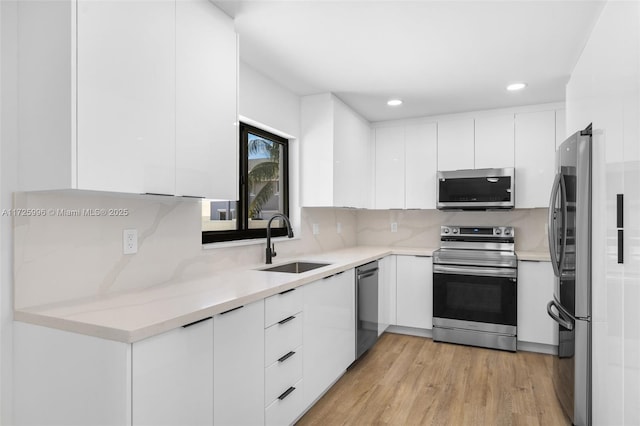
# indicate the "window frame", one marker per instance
pixel 242 232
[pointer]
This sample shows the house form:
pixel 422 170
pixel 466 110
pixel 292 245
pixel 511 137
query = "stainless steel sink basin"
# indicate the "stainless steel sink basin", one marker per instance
pixel 296 267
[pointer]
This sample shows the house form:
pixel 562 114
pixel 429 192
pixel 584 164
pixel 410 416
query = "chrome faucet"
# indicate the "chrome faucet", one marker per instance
pixel 271 249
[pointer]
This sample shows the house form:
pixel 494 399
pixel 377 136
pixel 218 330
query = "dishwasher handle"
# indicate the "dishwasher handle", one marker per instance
pixel 368 273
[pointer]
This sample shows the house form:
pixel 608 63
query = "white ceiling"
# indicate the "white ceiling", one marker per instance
pixel 438 56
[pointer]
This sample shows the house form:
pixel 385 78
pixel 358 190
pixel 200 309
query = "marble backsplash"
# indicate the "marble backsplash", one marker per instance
pixel 66 254
pixel 421 228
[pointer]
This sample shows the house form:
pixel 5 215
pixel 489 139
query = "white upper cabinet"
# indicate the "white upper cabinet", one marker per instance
pixel 494 147
pixel 535 148
pixel 455 144
pixel 206 102
pixel 389 167
pixel 136 97
pixel 126 96
pixel 421 164
pixel 561 127
pixel 336 154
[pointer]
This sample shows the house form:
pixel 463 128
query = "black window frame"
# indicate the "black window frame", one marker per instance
pixel 242 220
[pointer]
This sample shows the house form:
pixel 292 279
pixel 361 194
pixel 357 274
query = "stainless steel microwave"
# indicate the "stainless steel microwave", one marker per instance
pixel 478 189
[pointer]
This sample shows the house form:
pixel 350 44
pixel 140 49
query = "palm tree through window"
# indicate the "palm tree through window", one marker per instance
pixel 263 190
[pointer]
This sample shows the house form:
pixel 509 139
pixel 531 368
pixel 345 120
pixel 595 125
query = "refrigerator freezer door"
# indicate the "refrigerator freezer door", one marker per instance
pixel 572 377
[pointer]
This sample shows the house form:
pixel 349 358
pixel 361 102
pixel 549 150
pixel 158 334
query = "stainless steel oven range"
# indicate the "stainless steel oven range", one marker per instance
pixel 475 287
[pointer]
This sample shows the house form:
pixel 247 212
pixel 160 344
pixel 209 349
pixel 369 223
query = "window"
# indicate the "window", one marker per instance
pixel 264 191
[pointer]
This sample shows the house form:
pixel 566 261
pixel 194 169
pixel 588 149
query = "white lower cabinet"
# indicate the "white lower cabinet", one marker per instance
pixel 329 332
pixel 67 378
pixel 172 376
pixel 535 289
pixel 414 303
pixel 238 366
pixel 286 409
pixel 386 293
pixel 282 358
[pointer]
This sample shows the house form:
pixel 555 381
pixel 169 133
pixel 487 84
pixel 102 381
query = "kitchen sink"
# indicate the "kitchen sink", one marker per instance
pixel 296 267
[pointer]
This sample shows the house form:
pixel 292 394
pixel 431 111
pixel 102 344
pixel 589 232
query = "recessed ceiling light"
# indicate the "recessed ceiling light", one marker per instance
pixel 516 86
pixel 394 102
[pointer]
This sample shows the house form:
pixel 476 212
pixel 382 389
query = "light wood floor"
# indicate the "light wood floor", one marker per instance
pixel 407 380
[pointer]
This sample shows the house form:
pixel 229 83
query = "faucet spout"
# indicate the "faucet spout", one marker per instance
pixel 270 252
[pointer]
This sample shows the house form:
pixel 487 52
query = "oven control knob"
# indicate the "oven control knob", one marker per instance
pixel 507 232
pixel 445 230
pixel 498 231
pixel 455 230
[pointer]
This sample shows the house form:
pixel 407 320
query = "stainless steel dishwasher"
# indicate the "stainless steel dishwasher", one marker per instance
pixel 366 307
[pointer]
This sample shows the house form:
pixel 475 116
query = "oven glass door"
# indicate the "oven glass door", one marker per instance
pixel 475 298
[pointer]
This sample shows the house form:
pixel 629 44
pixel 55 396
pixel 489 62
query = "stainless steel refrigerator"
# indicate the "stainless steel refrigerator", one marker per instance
pixel 570 249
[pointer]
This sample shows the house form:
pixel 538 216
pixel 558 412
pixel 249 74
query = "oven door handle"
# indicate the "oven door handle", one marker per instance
pixel 470 270
pixel 568 324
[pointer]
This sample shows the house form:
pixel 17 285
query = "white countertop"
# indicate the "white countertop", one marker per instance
pixel 535 256
pixel 133 316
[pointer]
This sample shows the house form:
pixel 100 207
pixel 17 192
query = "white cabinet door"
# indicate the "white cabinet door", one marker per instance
pixel 494 144
pixel 172 376
pixel 335 154
pixel 386 293
pixel 535 290
pixel 64 378
pixel 561 127
pixel 390 167
pixel 329 331
pixel 421 165
pixel 206 104
pixel 414 291
pixel 238 366
pixel 455 144
pixel 316 150
pixel 351 158
pixel 535 158
pixel 126 96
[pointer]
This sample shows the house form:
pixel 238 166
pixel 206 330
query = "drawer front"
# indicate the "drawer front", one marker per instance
pixel 280 375
pixel 279 339
pixel 281 306
pixel 285 411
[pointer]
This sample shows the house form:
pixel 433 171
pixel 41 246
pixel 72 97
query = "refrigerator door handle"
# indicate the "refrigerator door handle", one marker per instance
pixel 568 324
pixel 556 258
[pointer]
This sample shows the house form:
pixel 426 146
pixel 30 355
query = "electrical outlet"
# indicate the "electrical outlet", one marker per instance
pixel 129 241
pixel 339 228
pixel 394 227
pixel 316 229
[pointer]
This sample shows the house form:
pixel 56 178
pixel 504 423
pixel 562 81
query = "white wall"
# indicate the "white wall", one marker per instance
pixel 421 228
pixel 604 90
pixel 8 181
pixel 265 102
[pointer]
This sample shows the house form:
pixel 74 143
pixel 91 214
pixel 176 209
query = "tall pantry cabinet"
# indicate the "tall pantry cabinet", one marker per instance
pixel 604 89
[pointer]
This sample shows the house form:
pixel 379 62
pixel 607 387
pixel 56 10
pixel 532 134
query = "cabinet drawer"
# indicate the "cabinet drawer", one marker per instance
pixel 280 375
pixel 285 411
pixel 279 339
pixel 280 306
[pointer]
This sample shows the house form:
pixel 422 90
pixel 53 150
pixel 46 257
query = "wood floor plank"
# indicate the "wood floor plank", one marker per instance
pixel 408 380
